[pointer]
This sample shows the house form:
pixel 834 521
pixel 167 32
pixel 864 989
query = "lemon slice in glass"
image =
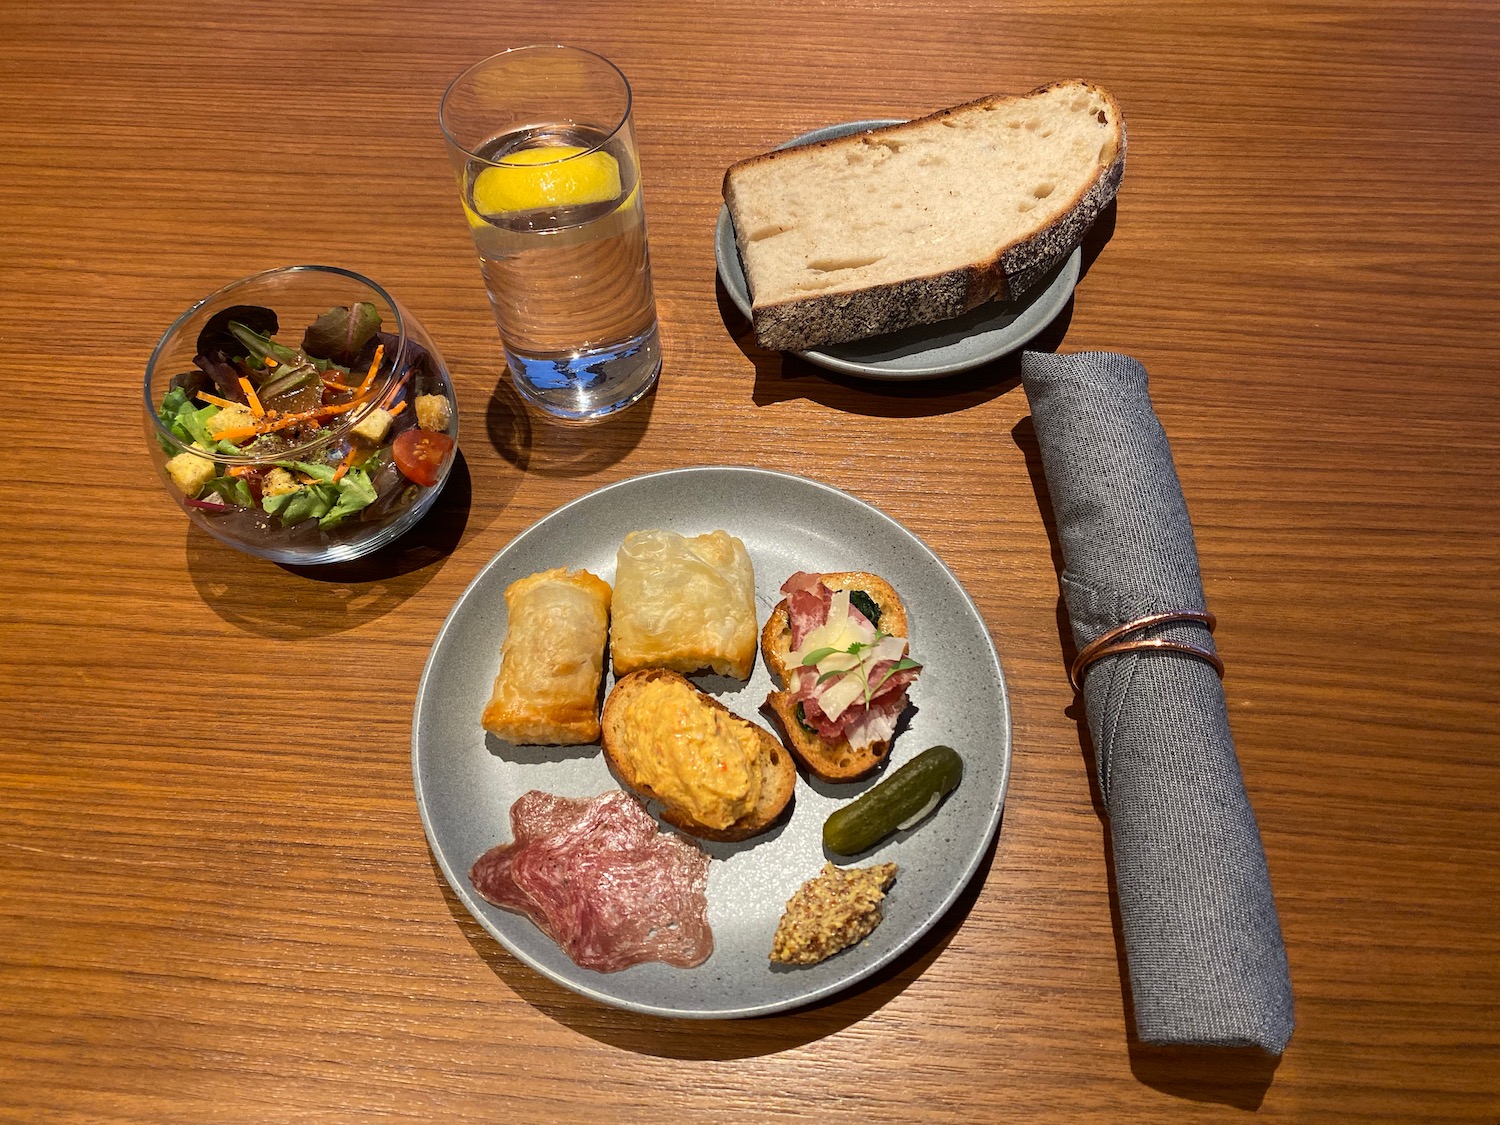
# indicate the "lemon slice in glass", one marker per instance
pixel 547 176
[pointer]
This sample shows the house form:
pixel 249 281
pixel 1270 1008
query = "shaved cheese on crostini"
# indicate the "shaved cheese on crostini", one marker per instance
pixel 855 686
pixel 839 631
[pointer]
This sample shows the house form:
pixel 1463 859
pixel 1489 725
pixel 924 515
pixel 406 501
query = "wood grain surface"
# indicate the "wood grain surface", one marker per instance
pixel 216 899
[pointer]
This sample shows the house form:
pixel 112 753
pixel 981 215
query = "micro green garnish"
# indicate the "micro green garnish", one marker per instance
pixel 857 650
pixel 905 664
pixel 818 654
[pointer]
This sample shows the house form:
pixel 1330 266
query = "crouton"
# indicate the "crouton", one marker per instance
pixel 277 482
pixel 233 418
pixel 190 472
pixel 373 426
pixel 433 412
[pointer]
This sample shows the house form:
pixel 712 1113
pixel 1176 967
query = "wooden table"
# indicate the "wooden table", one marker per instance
pixel 216 899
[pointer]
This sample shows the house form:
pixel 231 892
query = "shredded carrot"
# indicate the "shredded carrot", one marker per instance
pixel 269 426
pixel 396 390
pixel 398 408
pixel 222 403
pixel 336 385
pixel 374 367
pixel 338 474
pixel 257 430
pixel 270 361
pixel 242 470
pixel 336 408
pixel 255 407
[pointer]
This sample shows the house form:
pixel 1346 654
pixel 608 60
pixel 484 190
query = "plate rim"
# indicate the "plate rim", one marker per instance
pixel 811 996
pixel 1055 295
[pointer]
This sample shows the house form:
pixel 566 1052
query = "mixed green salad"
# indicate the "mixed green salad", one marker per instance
pixel 327 430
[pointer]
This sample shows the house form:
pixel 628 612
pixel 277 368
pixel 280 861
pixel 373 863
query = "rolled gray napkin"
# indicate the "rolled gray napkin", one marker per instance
pixel 1202 939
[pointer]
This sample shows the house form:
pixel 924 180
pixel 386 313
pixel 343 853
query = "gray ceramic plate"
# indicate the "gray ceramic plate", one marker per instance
pixel 930 350
pixel 466 780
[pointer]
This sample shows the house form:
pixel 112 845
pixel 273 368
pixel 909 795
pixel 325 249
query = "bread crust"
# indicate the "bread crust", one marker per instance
pixel 799 323
pixel 778 773
pixel 827 759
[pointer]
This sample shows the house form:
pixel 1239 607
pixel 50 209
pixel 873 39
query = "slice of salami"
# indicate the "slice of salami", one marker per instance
pixel 598 877
pixel 491 878
pixel 533 815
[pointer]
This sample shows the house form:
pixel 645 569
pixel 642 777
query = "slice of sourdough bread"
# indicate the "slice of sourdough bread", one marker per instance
pixel 921 222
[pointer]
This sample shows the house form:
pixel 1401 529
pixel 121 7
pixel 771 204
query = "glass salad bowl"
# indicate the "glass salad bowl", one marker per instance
pixel 301 415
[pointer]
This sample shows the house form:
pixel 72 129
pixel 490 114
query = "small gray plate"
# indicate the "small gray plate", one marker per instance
pixel 928 350
pixel 466 780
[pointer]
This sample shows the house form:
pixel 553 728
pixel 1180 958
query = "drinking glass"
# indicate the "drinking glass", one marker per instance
pixel 548 174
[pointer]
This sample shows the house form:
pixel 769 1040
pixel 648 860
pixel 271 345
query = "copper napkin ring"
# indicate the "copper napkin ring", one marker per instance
pixel 1110 644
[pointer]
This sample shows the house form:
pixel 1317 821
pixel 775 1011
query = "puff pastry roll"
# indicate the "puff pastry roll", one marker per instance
pixel 684 604
pixel 552 660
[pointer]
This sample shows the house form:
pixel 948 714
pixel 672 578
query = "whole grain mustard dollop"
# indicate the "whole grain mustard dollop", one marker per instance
pixel 831 912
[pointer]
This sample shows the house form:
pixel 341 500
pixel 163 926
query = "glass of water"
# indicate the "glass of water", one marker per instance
pixel 544 150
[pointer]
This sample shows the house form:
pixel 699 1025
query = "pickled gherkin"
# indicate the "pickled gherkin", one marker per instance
pixel 900 801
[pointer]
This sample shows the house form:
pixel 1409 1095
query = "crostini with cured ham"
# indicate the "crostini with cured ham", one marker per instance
pixel 837 643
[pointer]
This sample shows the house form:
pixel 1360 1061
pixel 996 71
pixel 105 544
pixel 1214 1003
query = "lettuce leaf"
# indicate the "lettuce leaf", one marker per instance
pixel 196 423
pixel 341 333
pixel 287 377
pixel 217 336
pixel 231 489
pixel 258 345
pixel 313 469
pixel 225 375
pixel 311 501
pixel 356 493
pixel 173 401
pixel 187 424
pixel 328 501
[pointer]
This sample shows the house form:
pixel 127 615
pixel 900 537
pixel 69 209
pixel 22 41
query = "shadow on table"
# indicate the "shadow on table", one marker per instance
pixel 716 1039
pixel 782 375
pixel 535 442
pixel 292 602
pixel 1232 1076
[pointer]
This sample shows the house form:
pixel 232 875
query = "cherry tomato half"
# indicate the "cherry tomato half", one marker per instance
pixel 420 454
